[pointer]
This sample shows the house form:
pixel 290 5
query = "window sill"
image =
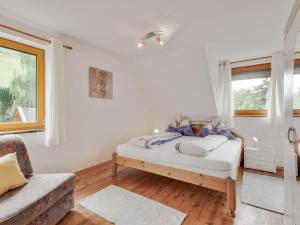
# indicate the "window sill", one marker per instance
pixel 251 113
pixel 259 113
pixel 257 116
pixel 21 132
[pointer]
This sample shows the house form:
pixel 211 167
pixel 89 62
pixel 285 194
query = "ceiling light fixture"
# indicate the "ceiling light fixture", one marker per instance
pixel 159 40
pixel 141 44
pixel 155 35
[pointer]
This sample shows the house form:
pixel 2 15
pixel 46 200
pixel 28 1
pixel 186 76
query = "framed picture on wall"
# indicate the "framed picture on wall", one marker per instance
pixel 100 83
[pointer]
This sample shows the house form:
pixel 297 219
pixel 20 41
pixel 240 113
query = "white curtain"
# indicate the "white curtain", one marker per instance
pixel 277 91
pixel 225 100
pixel 55 119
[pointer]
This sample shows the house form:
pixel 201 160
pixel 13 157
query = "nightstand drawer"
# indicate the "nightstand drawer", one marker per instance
pixel 260 165
pixel 260 155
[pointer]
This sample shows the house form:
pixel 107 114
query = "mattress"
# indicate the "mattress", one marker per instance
pixel 222 162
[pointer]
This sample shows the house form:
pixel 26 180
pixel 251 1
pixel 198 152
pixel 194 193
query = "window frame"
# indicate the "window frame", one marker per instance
pixel 250 112
pixel 40 87
pixel 258 112
pixel 296 112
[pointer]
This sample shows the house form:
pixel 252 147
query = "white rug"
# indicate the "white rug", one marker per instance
pixel 263 191
pixel 123 207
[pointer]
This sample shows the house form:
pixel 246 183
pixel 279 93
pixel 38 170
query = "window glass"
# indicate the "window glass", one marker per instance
pixel 296 91
pixel 17 86
pixel 251 94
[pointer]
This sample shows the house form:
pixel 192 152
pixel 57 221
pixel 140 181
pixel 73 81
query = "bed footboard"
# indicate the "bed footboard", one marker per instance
pixel 227 186
pixel 231 196
pixel 114 165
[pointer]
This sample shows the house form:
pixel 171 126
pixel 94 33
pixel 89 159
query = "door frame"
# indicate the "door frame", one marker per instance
pixel 291 33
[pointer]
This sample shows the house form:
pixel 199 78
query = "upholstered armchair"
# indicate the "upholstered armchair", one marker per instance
pixel 44 200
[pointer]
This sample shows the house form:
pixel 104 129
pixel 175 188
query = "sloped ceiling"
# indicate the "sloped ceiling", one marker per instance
pixel 116 25
pixel 174 78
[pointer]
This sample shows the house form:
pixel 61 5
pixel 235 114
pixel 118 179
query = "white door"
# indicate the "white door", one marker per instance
pixel 291 195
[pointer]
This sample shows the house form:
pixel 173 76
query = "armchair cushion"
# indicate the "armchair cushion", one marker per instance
pixel 22 205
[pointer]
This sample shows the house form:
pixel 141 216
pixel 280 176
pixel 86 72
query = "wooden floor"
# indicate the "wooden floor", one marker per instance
pixel 203 206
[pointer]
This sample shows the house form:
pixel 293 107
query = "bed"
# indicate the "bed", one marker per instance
pixel 217 171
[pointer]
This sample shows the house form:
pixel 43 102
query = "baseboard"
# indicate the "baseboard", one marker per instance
pixel 280 168
pixel 93 167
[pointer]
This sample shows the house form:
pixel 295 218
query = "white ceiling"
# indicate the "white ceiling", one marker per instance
pixel 115 25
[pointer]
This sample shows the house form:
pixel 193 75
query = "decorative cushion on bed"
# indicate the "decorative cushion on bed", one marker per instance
pixel 182 125
pixel 181 120
pixel 227 133
pixel 196 127
pixel 184 130
pixel 10 173
pixel 216 127
pixel 205 132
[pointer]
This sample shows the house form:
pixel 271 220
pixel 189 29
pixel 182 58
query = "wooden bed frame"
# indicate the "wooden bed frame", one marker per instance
pixel 227 186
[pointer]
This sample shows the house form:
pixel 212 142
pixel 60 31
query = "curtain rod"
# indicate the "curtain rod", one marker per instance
pixel 32 35
pixel 246 60
pixel 264 57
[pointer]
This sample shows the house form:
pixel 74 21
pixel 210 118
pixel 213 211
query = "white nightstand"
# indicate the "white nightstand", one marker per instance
pixel 260 159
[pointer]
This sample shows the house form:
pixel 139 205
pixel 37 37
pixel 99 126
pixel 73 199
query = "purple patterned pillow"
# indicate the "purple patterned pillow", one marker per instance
pixel 205 132
pixel 227 133
pixel 184 130
pixel 173 129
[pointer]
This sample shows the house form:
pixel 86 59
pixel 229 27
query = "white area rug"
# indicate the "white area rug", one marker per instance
pixel 263 191
pixel 123 207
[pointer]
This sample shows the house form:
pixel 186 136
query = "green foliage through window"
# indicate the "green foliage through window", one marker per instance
pixel 251 94
pixel 17 82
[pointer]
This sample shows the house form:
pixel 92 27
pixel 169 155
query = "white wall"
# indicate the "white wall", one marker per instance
pixel 94 126
pixel 174 83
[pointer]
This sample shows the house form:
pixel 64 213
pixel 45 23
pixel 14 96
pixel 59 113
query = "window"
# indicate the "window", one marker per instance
pixel 296 88
pixel 251 86
pixel 22 91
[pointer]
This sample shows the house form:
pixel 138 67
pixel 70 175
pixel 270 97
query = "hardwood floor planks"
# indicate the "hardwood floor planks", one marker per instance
pixel 203 206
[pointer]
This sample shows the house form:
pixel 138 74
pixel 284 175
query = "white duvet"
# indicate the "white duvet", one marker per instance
pixel 222 162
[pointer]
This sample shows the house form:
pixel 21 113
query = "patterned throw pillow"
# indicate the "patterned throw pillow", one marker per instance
pixel 196 127
pixel 173 129
pixel 216 127
pixel 227 133
pixel 205 132
pixel 184 130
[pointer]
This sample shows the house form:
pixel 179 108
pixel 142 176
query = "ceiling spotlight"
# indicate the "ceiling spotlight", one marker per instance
pixel 156 35
pixel 140 44
pixel 159 40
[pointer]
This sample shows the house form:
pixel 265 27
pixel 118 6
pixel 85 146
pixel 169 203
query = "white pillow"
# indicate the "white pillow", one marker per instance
pixel 11 175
